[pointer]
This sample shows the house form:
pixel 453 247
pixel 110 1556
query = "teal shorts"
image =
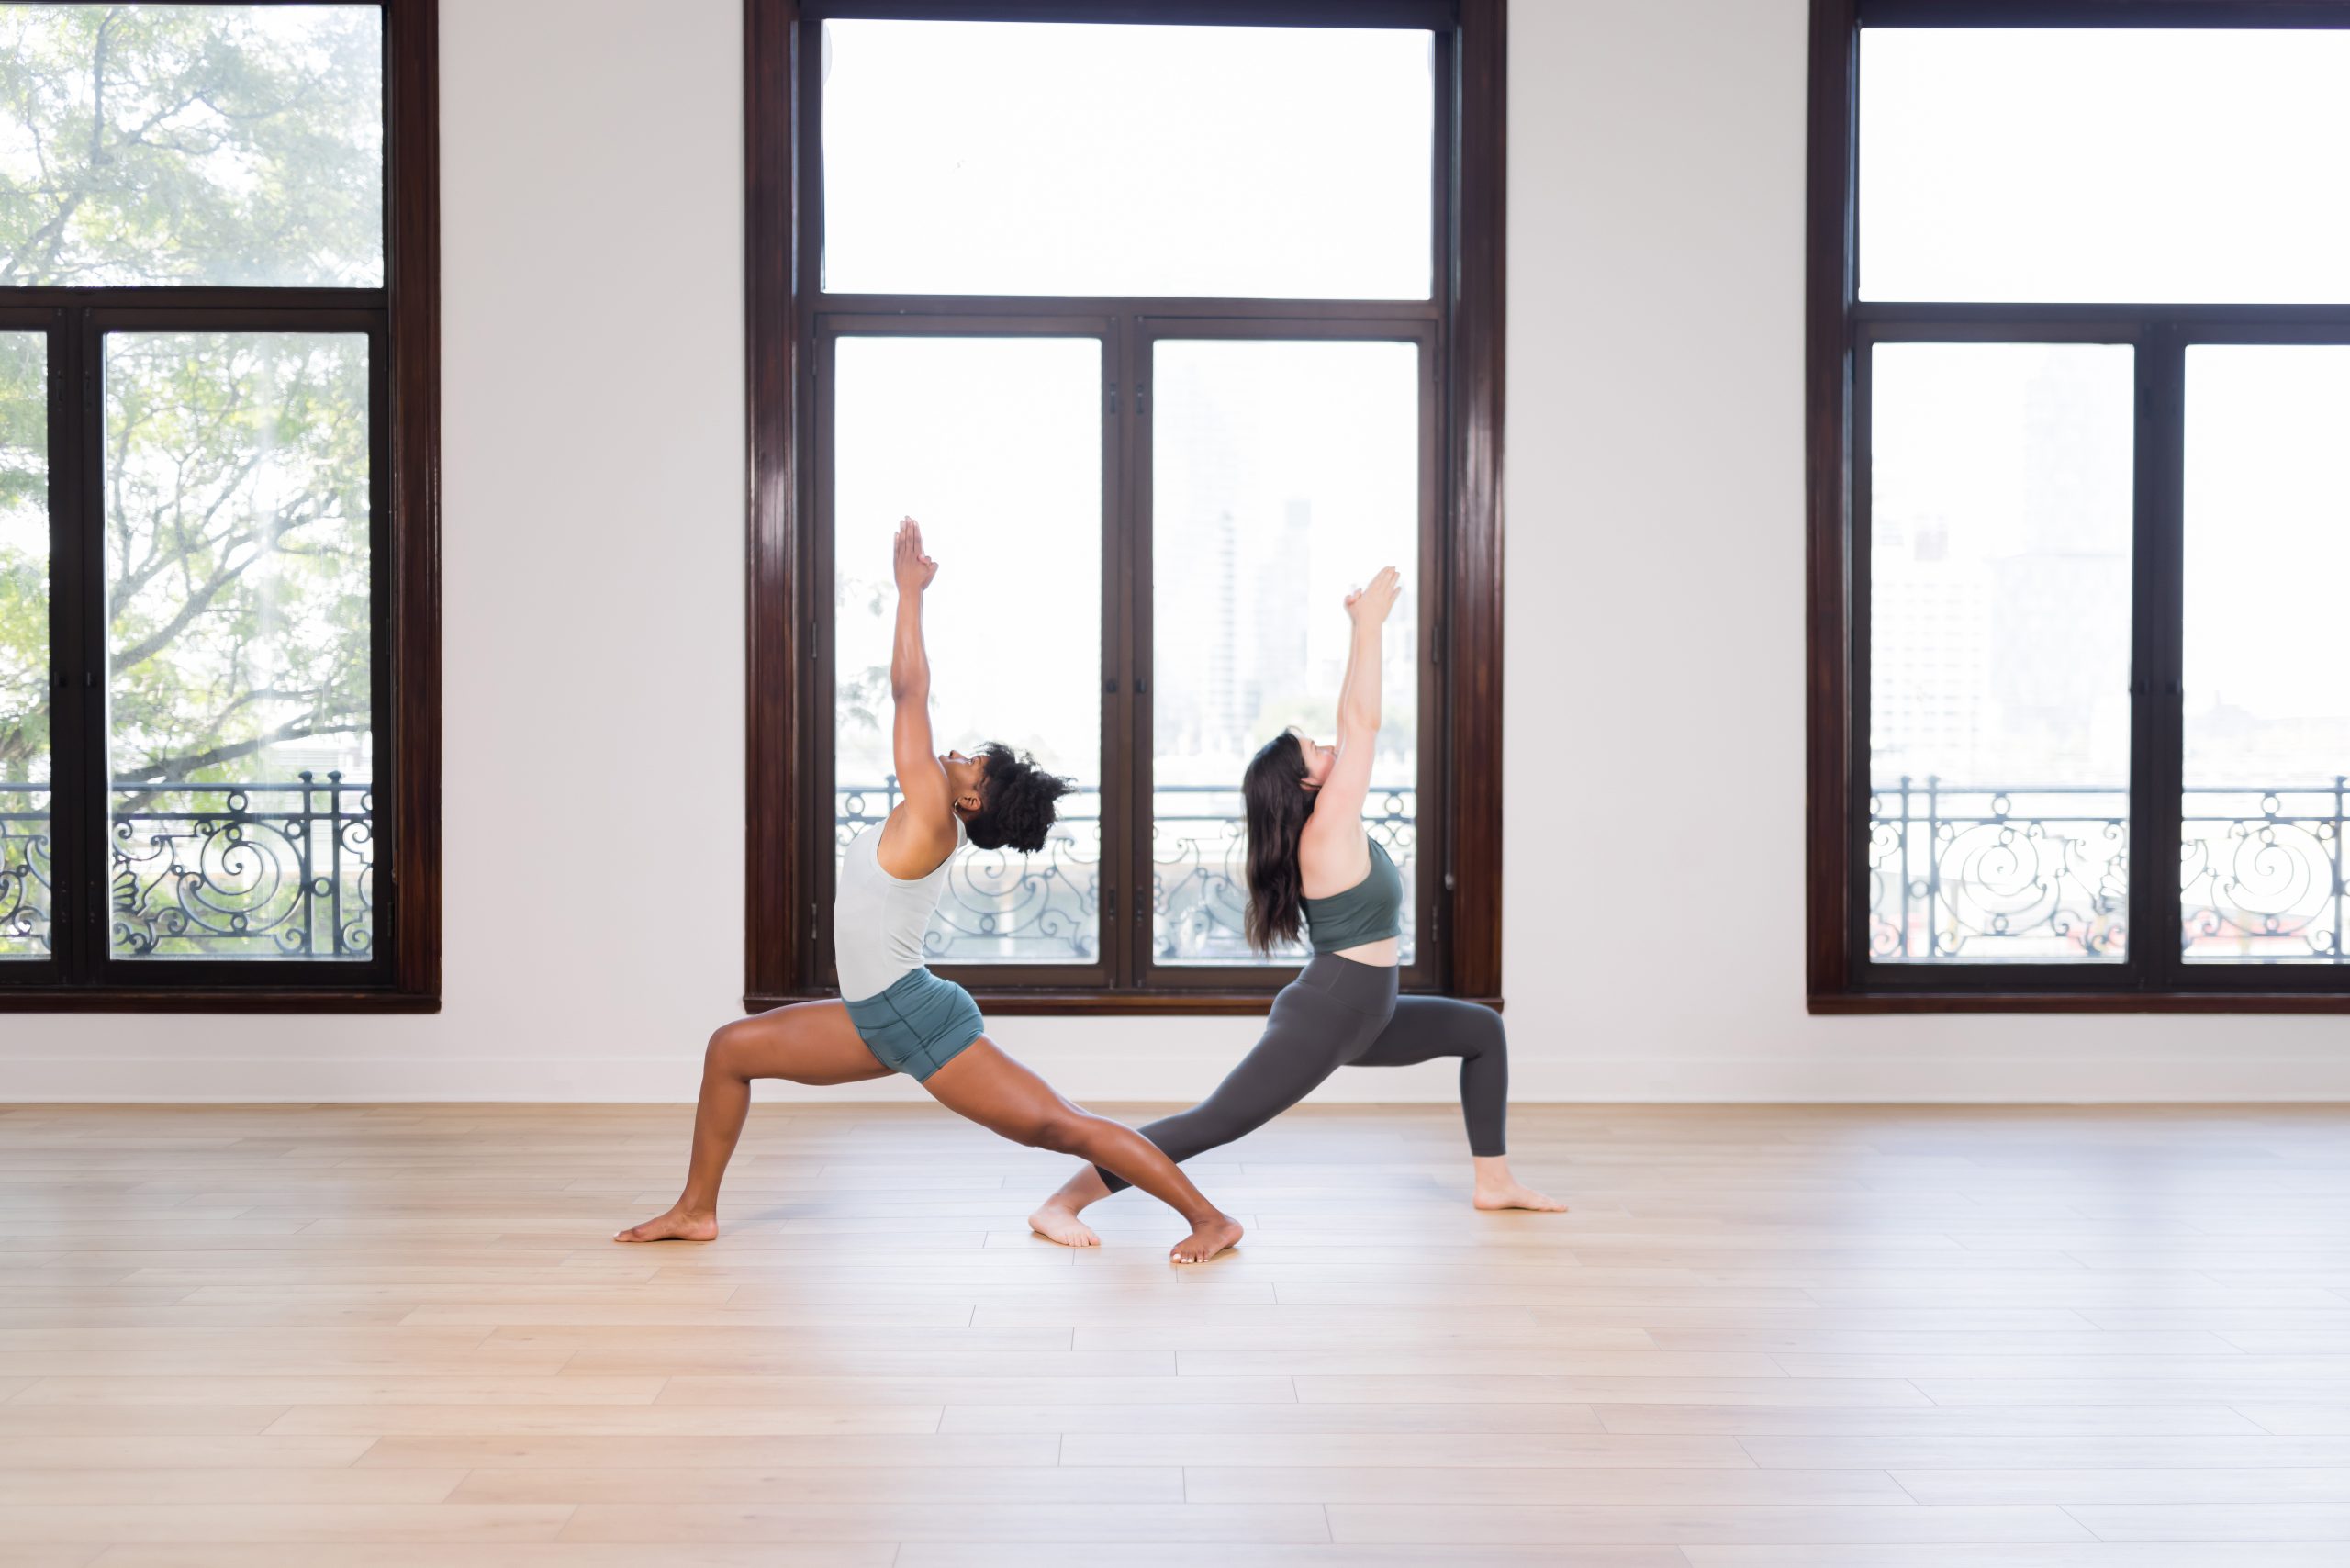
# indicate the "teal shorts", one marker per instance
pixel 919 1025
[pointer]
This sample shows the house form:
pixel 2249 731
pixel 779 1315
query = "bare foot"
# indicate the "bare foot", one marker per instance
pixel 1058 1222
pixel 677 1225
pixel 1210 1237
pixel 1057 1219
pixel 1510 1195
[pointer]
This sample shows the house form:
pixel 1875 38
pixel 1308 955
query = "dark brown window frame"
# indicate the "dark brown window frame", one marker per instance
pixel 789 805
pixel 401 320
pixel 1839 328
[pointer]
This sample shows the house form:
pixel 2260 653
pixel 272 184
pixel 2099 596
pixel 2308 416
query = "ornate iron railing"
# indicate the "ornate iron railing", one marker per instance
pixel 24 870
pixel 1968 873
pixel 2264 877
pixel 1003 907
pixel 259 870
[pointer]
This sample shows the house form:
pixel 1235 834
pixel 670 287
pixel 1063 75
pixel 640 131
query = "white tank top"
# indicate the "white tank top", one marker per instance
pixel 879 920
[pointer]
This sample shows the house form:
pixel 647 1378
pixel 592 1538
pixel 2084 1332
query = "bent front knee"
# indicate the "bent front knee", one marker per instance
pixel 724 1054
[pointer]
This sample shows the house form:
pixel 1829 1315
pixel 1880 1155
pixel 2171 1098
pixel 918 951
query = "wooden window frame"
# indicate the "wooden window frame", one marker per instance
pixel 790 821
pixel 1840 328
pixel 401 321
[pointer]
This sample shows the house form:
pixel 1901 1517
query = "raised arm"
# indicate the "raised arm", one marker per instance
pixel 922 832
pixel 1339 807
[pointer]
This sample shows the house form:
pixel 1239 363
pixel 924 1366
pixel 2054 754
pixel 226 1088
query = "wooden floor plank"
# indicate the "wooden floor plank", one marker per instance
pixel 1204 1525
pixel 1163 1554
pixel 365 1336
pixel 821 1554
pixel 1486 1524
pixel 2037 1555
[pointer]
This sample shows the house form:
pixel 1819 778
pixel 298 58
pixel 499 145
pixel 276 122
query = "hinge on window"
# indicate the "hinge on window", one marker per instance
pixel 1109 904
pixel 1142 392
pixel 1114 398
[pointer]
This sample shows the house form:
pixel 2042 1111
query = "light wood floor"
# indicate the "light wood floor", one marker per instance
pixel 312 1338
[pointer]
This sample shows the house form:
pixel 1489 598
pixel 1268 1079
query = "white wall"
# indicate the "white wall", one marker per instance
pixel 593 462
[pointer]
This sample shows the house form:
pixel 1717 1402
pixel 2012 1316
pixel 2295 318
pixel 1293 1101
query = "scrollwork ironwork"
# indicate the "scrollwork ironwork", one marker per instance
pixel 2264 881
pixel 24 896
pixel 245 871
pixel 1960 873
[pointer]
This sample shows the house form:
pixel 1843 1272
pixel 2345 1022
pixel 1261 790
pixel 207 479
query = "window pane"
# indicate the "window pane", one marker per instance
pixel 24 646
pixel 995 445
pixel 239 643
pixel 1284 474
pixel 1057 158
pixel 2104 164
pixel 2267 690
pixel 191 144
pixel 2000 652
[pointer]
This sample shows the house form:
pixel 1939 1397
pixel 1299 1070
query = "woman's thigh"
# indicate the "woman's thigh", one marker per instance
pixel 808 1042
pixel 1426 1027
pixel 984 1085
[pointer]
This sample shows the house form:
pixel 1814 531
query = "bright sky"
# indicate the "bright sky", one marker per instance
pixel 1047 158
pixel 994 445
pixel 2105 164
pixel 2267 538
pixel 1054 158
pixel 2128 165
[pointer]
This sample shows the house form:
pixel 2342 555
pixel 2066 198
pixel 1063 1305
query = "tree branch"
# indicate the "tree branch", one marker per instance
pixel 172 769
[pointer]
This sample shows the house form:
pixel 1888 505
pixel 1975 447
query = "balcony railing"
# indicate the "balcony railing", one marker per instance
pixel 1003 907
pixel 262 870
pixel 1968 873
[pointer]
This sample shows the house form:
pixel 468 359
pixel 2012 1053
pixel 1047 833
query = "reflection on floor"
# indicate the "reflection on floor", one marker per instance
pixel 331 1335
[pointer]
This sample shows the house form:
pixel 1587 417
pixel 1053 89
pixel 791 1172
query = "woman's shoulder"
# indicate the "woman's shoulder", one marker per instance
pixel 911 842
pixel 1332 857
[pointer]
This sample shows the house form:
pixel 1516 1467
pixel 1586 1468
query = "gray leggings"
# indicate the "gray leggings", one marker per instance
pixel 1337 1013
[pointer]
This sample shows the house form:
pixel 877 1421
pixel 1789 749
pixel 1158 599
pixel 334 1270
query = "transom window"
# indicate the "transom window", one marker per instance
pixel 2080 302
pixel 216 733
pixel 1158 326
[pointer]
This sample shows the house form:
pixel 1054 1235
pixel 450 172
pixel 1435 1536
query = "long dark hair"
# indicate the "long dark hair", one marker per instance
pixel 1278 803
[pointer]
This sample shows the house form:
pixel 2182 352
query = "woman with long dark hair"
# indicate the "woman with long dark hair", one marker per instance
pixel 1313 868
pixel 894 1015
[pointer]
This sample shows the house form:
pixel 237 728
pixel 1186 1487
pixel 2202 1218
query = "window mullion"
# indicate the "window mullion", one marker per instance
pixel 82 787
pixel 1124 887
pixel 2156 610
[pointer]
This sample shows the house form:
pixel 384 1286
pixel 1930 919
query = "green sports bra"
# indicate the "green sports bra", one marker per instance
pixel 1370 911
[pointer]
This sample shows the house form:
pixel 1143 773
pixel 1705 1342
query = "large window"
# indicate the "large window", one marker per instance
pixel 2080 375
pixel 217 720
pixel 1170 330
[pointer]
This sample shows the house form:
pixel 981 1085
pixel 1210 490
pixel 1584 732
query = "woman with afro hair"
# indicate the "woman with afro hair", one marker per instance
pixel 894 1014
